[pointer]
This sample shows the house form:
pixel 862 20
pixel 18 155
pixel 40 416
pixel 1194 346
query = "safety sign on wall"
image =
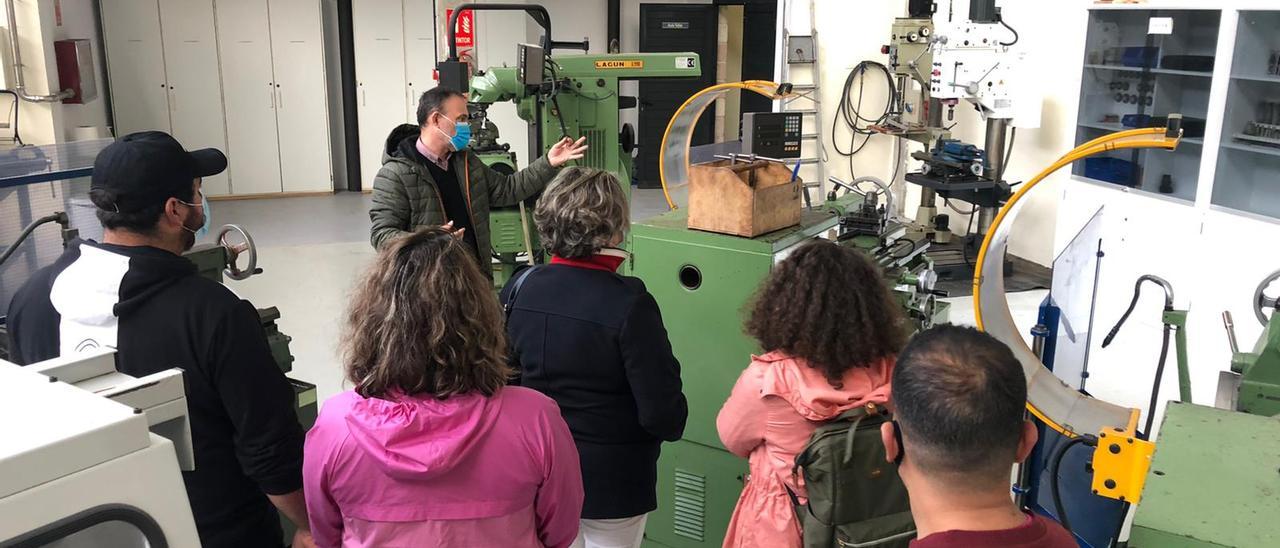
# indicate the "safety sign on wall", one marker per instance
pixel 464 33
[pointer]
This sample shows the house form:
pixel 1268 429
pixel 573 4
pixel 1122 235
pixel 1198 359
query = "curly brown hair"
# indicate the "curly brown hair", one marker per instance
pixel 829 306
pixel 425 320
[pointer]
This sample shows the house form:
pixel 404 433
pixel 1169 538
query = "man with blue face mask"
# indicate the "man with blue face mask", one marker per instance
pixel 429 178
pixel 134 292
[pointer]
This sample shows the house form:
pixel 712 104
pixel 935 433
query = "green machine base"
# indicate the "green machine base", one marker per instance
pixel 210 260
pixel 702 282
pixel 1192 500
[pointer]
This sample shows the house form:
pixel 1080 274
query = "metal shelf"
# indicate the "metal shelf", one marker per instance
pixel 1169 72
pixel 1257 149
pixel 1257 78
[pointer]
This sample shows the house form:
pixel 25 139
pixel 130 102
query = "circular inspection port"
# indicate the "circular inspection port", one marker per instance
pixel 690 277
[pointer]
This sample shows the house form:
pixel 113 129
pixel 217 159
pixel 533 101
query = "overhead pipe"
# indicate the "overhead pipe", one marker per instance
pixel 20 88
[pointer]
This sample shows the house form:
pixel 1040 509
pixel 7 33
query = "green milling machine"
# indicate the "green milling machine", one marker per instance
pixel 1215 477
pixel 581 100
pixel 558 96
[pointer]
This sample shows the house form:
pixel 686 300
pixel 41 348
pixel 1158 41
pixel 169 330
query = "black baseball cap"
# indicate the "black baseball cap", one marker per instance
pixel 146 168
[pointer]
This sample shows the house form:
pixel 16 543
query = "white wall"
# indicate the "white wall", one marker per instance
pixel 38 28
pixel 80 21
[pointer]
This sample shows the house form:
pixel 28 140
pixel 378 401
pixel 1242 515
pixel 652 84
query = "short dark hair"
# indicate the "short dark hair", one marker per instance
pixel 142 220
pixel 829 306
pixel 424 320
pixel 959 396
pixel 432 99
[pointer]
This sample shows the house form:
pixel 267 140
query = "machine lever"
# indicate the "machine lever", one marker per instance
pixel 1231 331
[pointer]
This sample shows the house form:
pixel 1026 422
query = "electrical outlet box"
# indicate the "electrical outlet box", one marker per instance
pixel 75 70
pixel 800 49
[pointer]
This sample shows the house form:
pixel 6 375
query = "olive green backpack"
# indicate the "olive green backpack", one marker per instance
pixel 856 498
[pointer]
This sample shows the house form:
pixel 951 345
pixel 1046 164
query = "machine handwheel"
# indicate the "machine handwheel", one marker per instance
pixel 234 250
pixel 1261 301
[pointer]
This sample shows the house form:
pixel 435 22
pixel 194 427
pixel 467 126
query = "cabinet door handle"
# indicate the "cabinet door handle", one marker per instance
pixel 364 98
pixel 273 97
pixel 173 100
pixel 279 98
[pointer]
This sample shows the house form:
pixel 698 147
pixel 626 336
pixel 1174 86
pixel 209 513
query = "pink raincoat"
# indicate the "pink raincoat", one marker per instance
pixel 769 417
pixel 468 471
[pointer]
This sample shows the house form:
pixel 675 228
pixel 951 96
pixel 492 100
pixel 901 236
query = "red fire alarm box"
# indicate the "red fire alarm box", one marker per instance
pixel 75 70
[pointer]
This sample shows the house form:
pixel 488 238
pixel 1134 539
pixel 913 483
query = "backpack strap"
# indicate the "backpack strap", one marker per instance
pixel 516 284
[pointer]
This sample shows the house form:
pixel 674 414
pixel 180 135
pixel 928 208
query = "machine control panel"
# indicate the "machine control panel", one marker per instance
pixel 772 134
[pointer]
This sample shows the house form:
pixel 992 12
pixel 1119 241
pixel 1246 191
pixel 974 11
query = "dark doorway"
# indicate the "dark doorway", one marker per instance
pixel 674 28
pixel 759 21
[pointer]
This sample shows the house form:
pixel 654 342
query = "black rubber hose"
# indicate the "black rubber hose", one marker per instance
pixel 1155 387
pixel 1057 491
pixel 1137 292
pixel 1015 33
pixel 60 218
pixel 17 110
pixel 535 11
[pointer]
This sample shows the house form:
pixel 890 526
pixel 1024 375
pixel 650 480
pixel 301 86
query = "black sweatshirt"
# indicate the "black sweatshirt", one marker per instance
pixel 158 313
pixel 453 198
pixel 594 342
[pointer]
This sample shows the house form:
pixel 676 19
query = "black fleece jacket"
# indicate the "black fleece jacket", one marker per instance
pixel 594 342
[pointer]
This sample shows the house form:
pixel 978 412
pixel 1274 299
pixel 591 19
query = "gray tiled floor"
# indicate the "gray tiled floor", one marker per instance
pixel 313 249
pixel 344 217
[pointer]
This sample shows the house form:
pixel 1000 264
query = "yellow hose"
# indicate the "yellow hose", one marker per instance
pixel 763 87
pixel 1115 141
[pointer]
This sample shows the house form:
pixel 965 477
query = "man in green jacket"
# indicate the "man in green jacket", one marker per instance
pixel 429 178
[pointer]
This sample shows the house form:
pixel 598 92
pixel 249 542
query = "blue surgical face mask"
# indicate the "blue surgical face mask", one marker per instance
pixel 461 135
pixel 208 218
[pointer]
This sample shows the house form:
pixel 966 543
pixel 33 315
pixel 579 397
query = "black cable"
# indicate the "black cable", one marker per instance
pixel 964 246
pixel 1053 473
pixel 1008 151
pixel 1155 387
pixel 555 103
pixel 1000 19
pixel 850 113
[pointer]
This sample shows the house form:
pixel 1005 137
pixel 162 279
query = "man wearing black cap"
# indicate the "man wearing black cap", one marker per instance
pixel 134 292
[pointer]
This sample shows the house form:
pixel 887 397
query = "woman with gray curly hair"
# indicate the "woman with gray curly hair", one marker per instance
pixel 593 341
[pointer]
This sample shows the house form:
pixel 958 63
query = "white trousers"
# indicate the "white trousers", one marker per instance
pixel 611 533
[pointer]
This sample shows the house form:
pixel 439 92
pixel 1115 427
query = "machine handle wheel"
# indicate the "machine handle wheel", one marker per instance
pixel 233 271
pixel 1260 299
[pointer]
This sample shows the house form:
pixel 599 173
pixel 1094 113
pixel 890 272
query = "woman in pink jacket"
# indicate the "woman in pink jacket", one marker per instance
pixel 431 449
pixel 830 328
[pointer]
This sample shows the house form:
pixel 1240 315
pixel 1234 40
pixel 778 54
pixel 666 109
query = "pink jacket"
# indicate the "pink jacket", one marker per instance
pixel 466 472
pixel 770 415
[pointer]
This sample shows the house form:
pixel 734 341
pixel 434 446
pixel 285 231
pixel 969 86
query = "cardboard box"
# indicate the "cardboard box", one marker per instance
pixel 744 198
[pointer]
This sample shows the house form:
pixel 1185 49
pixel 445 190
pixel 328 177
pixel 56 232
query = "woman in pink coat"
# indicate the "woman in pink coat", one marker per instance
pixel 431 449
pixel 830 328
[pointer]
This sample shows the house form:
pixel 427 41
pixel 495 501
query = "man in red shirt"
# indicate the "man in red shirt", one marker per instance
pixel 959 397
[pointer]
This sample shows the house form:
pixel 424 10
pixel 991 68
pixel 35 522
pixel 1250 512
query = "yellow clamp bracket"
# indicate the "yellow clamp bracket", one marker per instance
pixel 1120 464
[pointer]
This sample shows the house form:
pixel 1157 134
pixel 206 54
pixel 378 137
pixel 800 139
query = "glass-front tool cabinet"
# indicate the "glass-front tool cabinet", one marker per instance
pixel 1201 216
pixel 1248 174
pixel 1134 78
